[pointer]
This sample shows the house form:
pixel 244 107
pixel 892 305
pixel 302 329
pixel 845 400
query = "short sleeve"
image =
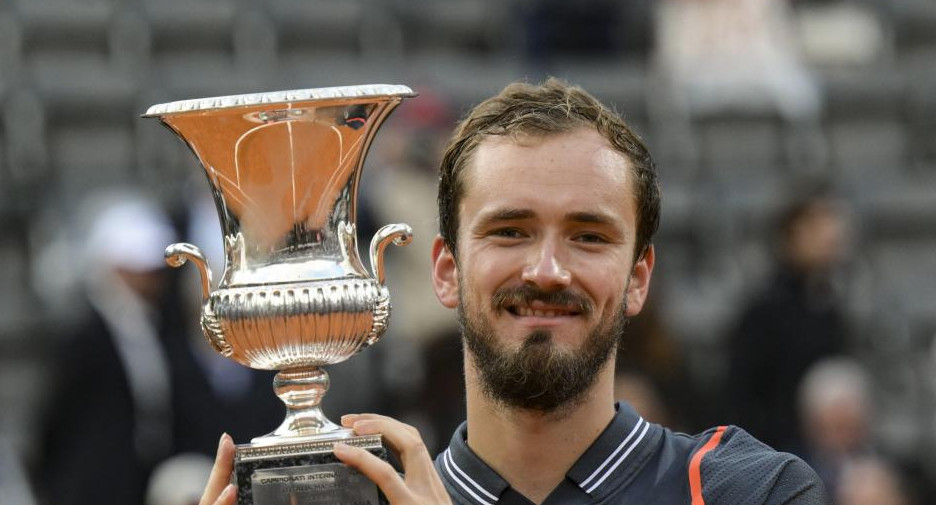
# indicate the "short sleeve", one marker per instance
pixel 743 470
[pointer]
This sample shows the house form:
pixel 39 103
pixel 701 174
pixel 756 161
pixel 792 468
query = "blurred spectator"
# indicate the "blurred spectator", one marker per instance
pixel 835 411
pixel 108 415
pixel 795 321
pixel 728 60
pixel 736 55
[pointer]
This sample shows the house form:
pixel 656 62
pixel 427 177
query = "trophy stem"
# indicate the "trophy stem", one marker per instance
pixel 302 391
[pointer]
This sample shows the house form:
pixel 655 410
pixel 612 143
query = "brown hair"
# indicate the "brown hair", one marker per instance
pixel 550 108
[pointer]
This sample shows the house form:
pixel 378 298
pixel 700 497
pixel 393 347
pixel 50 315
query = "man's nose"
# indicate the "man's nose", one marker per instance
pixel 545 268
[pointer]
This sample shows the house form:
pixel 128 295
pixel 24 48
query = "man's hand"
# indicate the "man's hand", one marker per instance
pixel 420 485
pixel 219 490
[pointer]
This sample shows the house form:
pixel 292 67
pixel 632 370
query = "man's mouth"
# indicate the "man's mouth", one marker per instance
pixel 533 311
pixel 528 301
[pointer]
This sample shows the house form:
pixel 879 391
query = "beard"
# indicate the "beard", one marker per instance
pixel 539 376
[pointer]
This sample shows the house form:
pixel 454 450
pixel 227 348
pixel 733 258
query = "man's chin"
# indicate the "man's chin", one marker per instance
pixel 553 411
pixel 553 343
pixel 539 338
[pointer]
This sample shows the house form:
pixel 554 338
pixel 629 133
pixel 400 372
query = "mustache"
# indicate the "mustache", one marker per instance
pixel 526 294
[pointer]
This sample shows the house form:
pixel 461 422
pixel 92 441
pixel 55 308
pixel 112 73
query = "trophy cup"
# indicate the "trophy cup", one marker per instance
pixel 284 169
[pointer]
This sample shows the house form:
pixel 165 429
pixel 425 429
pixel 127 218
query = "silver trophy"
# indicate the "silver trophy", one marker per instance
pixel 284 169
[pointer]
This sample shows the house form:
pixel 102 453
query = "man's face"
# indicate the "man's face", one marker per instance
pixel 545 274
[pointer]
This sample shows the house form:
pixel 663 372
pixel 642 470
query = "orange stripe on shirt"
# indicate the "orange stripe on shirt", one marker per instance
pixel 695 466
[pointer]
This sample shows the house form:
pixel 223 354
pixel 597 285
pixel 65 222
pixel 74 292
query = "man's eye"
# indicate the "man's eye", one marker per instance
pixel 591 238
pixel 507 233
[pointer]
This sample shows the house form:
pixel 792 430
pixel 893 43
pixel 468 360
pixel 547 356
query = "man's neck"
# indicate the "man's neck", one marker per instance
pixel 531 450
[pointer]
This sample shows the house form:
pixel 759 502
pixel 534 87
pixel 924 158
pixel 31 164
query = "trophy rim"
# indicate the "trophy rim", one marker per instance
pixel 278 97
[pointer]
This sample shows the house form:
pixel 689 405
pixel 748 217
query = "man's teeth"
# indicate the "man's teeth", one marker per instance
pixel 528 312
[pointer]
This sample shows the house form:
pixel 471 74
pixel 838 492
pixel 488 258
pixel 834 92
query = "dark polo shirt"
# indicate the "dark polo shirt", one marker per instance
pixel 636 462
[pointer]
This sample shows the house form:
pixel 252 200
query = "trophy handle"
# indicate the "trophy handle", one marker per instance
pixel 178 254
pixel 401 234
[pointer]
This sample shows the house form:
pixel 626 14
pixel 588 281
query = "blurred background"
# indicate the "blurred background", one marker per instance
pixel 795 285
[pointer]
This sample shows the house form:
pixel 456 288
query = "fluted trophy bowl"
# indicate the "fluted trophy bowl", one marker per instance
pixel 284 169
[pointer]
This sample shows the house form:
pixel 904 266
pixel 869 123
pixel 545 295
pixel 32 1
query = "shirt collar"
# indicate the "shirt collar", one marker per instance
pixel 473 478
pixel 610 462
pixel 618 453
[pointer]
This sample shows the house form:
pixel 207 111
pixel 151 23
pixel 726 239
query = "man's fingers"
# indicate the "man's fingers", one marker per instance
pixel 348 420
pixel 375 469
pixel 220 474
pixel 402 439
pixel 228 496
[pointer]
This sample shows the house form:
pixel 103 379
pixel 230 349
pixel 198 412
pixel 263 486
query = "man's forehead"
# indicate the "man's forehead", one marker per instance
pixel 584 155
pixel 592 188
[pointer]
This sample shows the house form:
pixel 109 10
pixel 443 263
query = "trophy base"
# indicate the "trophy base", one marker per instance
pixel 304 473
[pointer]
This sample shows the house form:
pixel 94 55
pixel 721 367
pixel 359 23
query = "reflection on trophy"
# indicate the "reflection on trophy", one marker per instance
pixel 284 169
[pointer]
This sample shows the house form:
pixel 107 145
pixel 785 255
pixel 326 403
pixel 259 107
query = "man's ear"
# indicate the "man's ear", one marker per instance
pixel 444 274
pixel 639 284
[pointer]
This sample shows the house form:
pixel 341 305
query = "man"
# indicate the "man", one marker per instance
pixel 548 204
pixel 795 320
pixel 110 400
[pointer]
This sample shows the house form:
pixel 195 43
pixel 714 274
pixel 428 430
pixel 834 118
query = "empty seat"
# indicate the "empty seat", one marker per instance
pixel 10 49
pixel 24 131
pixel 82 87
pixel 130 42
pixel 197 74
pixel 920 114
pixel 180 25
pixel 255 42
pixel 88 157
pixel 904 208
pixel 318 25
pixel 904 273
pixel 740 149
pixel 64 24
pixel 863 122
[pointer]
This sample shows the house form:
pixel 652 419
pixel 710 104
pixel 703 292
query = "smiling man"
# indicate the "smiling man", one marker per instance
pixel 544 255
pixel 548 203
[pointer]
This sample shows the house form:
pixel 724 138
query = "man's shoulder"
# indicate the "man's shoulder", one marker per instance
pixel 728 465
